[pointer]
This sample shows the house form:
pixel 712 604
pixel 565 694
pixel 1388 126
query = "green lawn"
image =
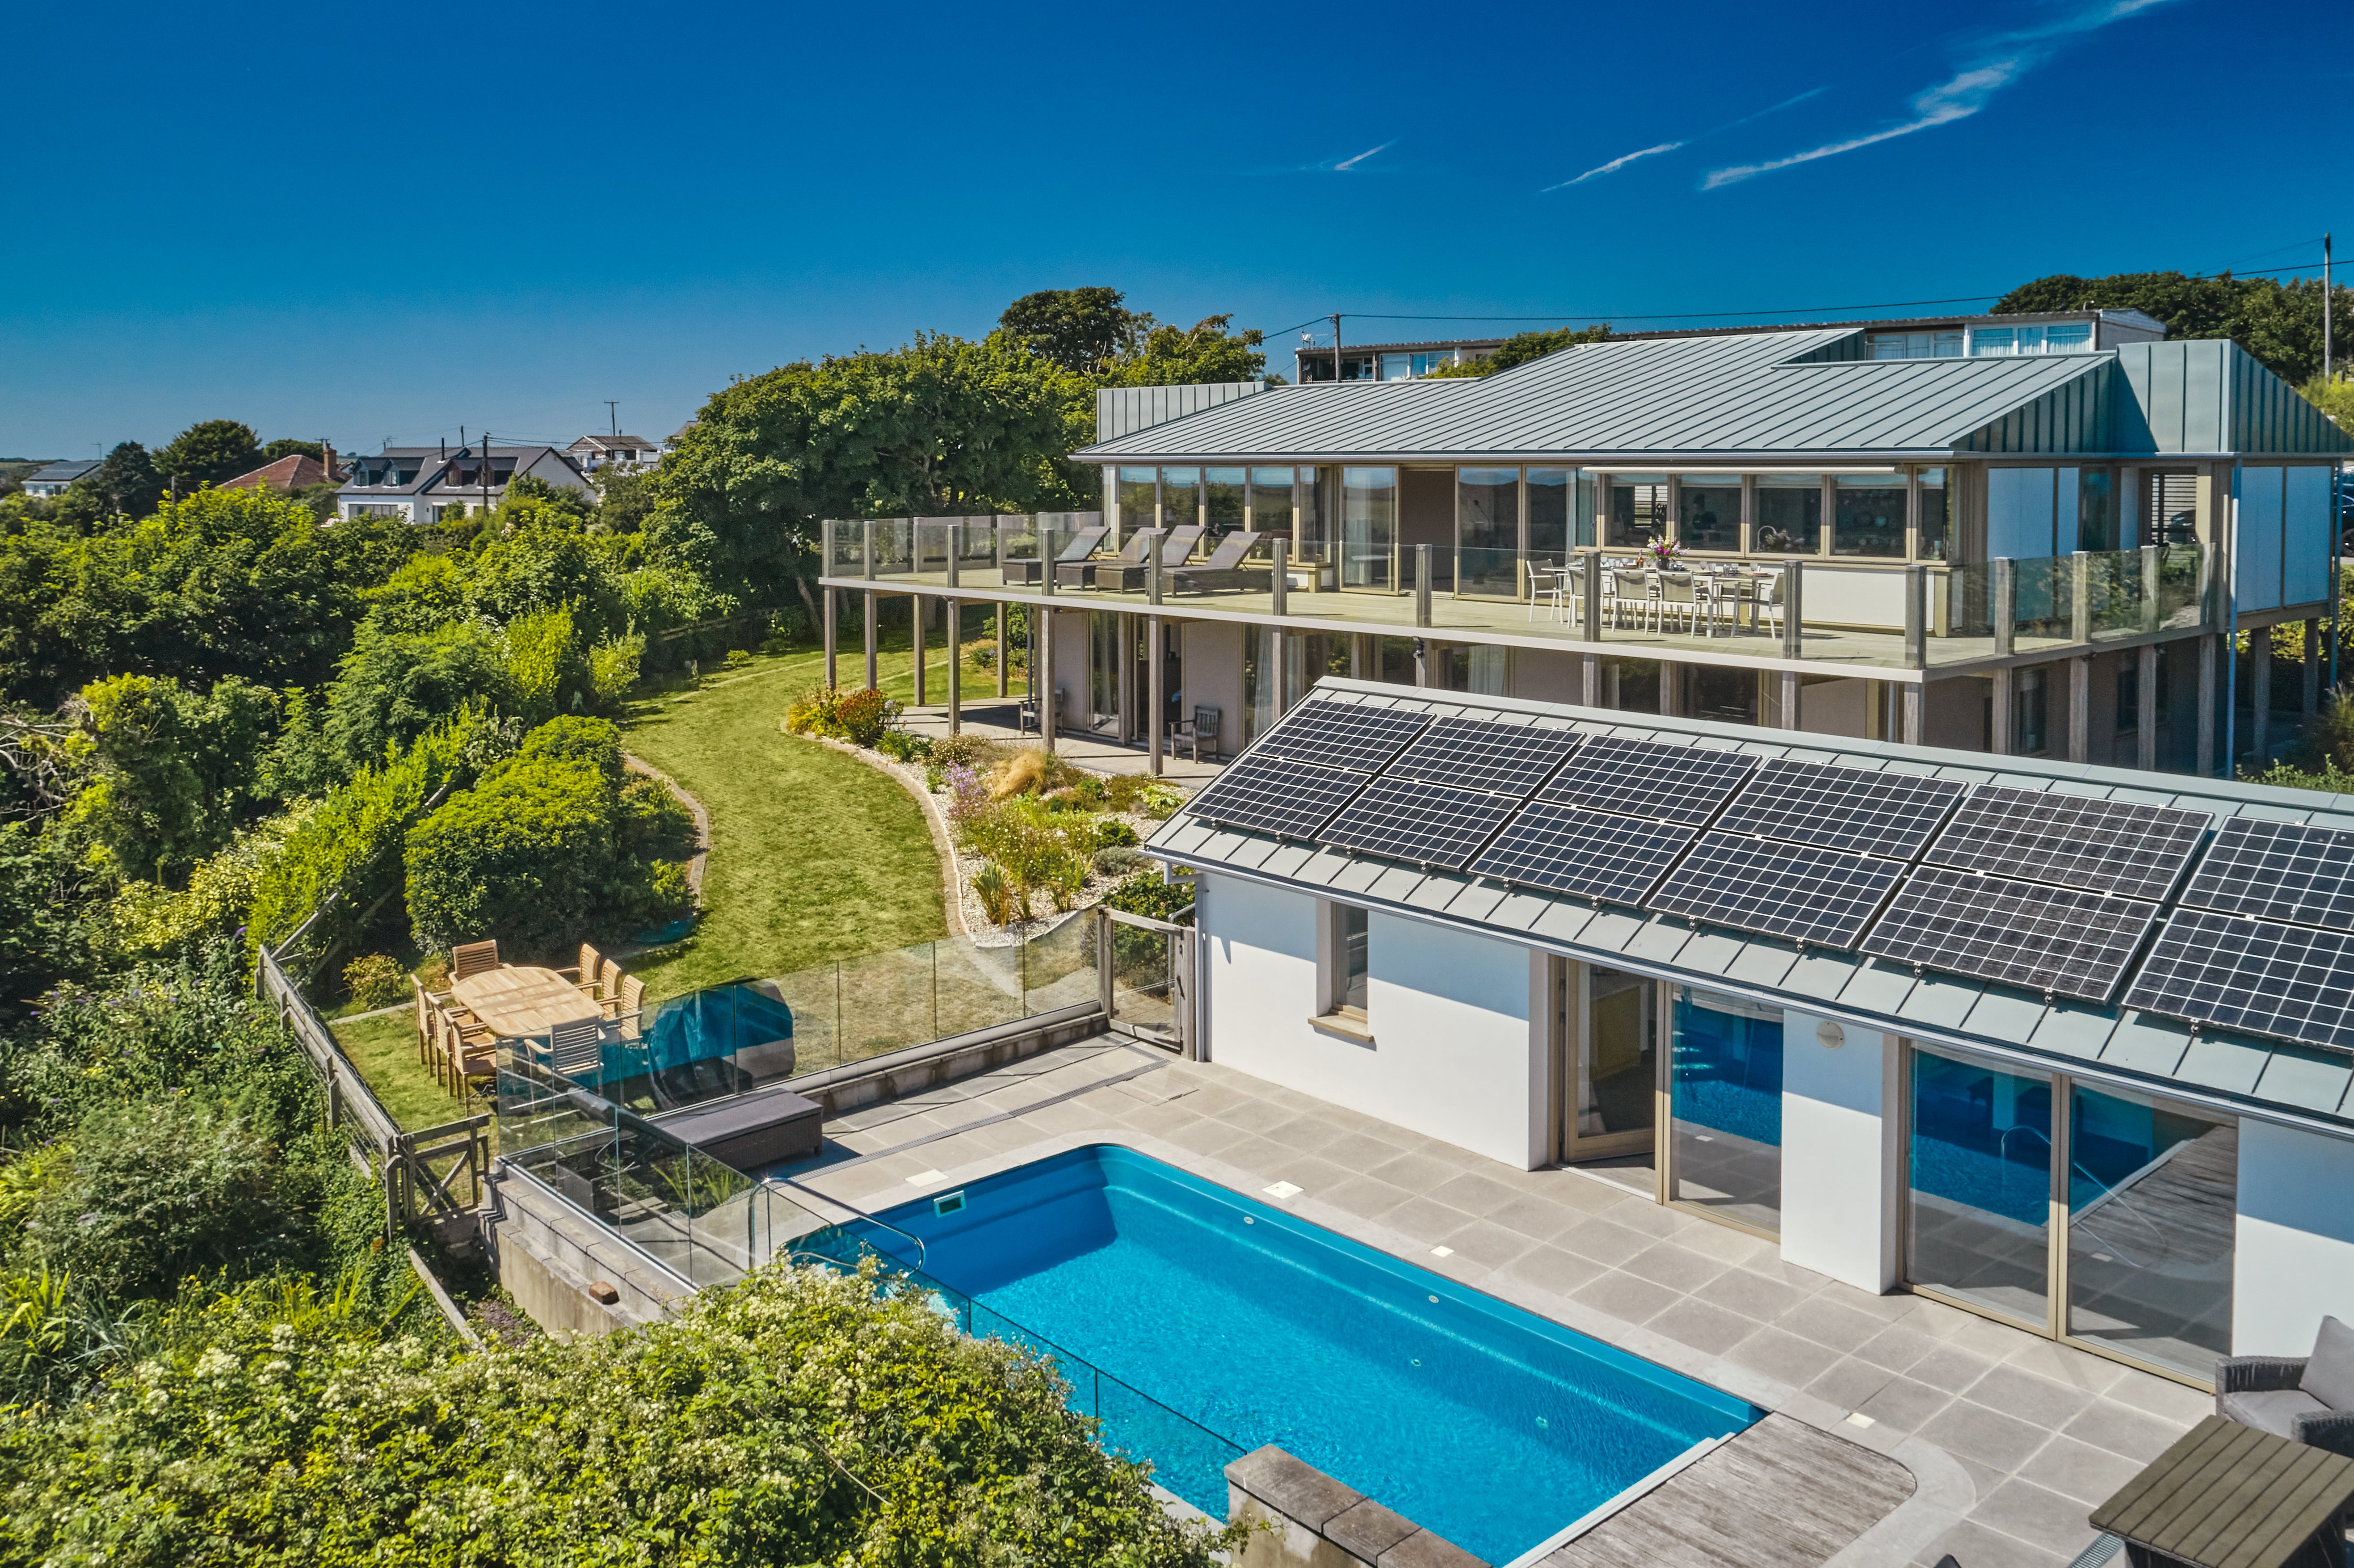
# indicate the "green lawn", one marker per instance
pixel 384 1049
pixel 814 855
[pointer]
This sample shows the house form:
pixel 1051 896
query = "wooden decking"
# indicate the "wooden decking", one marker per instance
pixel 1780 1495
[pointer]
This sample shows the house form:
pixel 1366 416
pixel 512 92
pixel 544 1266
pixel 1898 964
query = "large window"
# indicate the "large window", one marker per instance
pixel 1487 532
pixel 1369 528
pixel 1307 658
pixel 2030 734
pixel 1618 1078
pixel 1476 667
pixel 1708 511
pixel 1916 345
pixel 1223 499
pixel 1789 514
pixel 1181 496
pixel 1549 536
pixel 1867 515
pixel 2153 1194
pixel 1638 511
pixel 1351 939
pixel 1936 515
pixel 1139 498
pixel 2096 511
pixel 2067 337
pixel 1725 1100
pixel 1979 1196
pixel 1270 507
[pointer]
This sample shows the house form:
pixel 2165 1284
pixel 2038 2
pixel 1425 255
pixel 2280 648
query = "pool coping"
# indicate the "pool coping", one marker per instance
pixel 1943 1492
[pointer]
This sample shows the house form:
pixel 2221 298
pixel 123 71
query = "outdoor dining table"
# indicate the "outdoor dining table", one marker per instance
pixel 2228 1496
pixel 518 999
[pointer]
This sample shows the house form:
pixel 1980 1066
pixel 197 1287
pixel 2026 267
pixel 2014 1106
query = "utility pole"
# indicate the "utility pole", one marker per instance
pixel 486 471
pixel 2324 307
pixel 1336 345
pixel 613 414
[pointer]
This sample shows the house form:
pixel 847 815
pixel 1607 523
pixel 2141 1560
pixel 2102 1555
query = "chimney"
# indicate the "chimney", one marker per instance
pixel 327 451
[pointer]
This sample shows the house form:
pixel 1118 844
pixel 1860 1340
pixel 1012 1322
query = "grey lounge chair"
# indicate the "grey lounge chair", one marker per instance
pixel 1075 574
pixel 1128 576
pixel 1224 569
pixel 2308 1399
pixel 1081 546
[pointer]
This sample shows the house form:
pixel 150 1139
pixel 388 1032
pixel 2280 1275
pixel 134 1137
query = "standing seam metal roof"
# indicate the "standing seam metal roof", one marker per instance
pixel 1759 392
pixel 2165 1054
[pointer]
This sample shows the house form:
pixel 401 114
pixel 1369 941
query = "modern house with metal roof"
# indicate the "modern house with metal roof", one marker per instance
pixel 2067 1045
pixel 58 477
pixel 426 485
pixel 2050 554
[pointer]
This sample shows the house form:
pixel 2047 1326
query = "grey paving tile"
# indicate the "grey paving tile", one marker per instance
pixel 1849 1383
pixel 1314 1175
pixel 1669 1263
pixel 1770 1264
pixel 2167 1401
pixel 1364 1197
pixel 1973 1545
pixel 2037 1516
pixel 1538 1217
pixel 1208 1137
pixel 1603 1242
pixel 2014 1391
pixel 1794 1360
pixel 1414 1173
pixel 1724 1242
pixel 2121 1429
pixel 1949 1368
pixel 1828 1322
pixel 1305 1134
pixel 1425 1220
pixel 1711 1330
pixel 1256 1115
pixel 1473 1195
pixel 2092 1476
pixel 1896 1348
pixel 1644 1215
pixel 1488 1245
pixel 1905 1404
pixel 1358 1151
pixel 1625 1297
pixel 1990 1437
pixel 1550 1268
pixel 1751 1294
pixel 1996 1341
pixel 2065 1364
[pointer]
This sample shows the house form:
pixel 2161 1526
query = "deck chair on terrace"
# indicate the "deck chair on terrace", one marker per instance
pixel 1224 569
pixel 1128 577
pixel 1080 545
pixel 1076 574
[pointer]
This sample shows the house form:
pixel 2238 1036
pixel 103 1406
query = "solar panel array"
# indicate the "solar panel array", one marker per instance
pixel 2108 846
pixel 2047 892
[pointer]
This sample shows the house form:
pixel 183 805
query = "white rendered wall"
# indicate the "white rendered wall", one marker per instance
pixel 1213 674
pixel 1841 1173
pixel 2293 1256
pixel 1453 1056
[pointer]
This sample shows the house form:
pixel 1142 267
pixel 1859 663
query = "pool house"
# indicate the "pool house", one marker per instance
pixel 2061 1045
pixel 2036 555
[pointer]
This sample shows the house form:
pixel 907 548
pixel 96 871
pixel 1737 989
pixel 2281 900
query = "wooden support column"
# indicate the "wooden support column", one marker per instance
pixel 2146 707
pixel 955 666
pixel 2000 724
pixel 869 607
pixel 2260 695
pixel 1916 700
pixel 1125 679
pixel 1790 716
pixel 1003 687
pixel 2207 706
pixel 833 633
pixel 915 644
pixel 2080 709
pixel 1667 684
pixel 1590 680
pixel 1156 699
pixel 2310 705
pixel 1041 673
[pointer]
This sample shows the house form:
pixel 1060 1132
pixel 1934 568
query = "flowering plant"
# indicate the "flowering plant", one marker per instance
pixel 1665 553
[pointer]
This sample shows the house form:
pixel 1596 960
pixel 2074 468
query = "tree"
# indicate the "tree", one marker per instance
pixel 1082 330
pixel 1521 348
pixel 125 482
pixel 2279 323
pixel 287 446
pixel 210 451
pixel 1208 353
pixel 175 770
pixel 395 685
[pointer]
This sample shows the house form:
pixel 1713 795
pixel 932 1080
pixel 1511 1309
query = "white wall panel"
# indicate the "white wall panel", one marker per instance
pixel 2293 1257
pixel 1840 1168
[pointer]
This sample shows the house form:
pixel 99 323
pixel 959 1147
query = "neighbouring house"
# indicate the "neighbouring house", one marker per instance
pixel 1919 337
pixel 2084 556
pixel 2035 1039
pixel 295 471
pixel 53 479
pixel 630 453
pixel 428 484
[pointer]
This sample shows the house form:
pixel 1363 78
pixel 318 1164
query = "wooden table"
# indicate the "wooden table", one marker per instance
pixel 517 1000
pixel 2228 1496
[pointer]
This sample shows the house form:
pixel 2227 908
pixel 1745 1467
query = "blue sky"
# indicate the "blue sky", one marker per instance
pixel 369 224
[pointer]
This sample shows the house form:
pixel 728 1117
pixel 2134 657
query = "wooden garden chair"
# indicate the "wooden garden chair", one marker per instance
pixel 584 974
pixel 578 1050
pixel 470 958
pixel 623 1009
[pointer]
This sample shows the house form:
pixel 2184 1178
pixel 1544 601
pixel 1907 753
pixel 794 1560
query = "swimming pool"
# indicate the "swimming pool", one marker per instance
pixel 1483 1423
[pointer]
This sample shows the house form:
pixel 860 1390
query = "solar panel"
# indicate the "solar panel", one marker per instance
pixel 1428 824
pixel 2282 871
pixel 1808 894
pixel 2109 846
pixel 1644 779
pixel 1343 735
pixel 1275 795
pixel 2291 981
pixel 1842 807
pixel 2055 939
pixel 1510 758
pixel 1588 855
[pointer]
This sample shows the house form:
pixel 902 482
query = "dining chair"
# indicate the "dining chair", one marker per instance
pixel 609 981
pixel 623 1009
pixel 584 973
pixel 460 1034
pixel 1679 595
pixel 472 959
pixel 1770 606
pixel 424 1020
pixel 577 1049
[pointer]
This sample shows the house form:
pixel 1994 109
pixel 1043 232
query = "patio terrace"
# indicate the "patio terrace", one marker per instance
pixel 2010 1439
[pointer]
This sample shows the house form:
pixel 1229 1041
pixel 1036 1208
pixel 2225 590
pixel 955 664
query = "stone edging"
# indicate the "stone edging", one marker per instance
pixel 1943 1492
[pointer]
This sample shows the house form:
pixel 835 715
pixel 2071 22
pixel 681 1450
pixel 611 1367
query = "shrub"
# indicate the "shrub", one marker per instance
pixel 737 658
pixel 613 668
pixel 522 857
pixel 1142 796
pixel 998 900
pixel 1110 833
pixel 1120 861
pixel 967 750
pixel 150 922
pixel 1030 770
pixel 375 982
pixel 900 746
pixel 812 713
pixel 968 796
pixel 547 666
pixel 861 716
pixel 654 822
pixel 1146 894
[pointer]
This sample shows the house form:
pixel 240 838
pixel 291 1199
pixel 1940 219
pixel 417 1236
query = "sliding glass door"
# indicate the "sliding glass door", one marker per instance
pixel 1724 1104
pixel 1979 1187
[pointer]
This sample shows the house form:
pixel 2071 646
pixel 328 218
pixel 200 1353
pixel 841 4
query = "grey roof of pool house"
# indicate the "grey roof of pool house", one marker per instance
pixel 2293 1081
pixel 1793 395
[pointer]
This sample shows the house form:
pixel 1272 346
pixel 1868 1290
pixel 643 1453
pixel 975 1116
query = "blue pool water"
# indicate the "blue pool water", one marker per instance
pixel 1476 1420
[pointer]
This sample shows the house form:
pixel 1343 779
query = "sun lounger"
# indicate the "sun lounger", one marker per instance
pixel 1128 576
pixel 1081 546
pixel 1224 569
pixel 1073 573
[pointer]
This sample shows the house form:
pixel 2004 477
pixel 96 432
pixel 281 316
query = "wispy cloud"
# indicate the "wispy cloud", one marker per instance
pixel 1615 165
pixel 1348 165
pixel 1345 164
pixel 1990 65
